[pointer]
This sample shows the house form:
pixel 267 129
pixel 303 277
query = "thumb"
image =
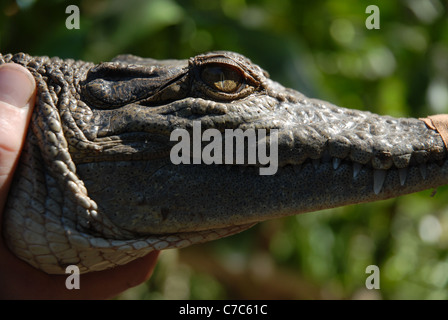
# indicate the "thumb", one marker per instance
pixel 17 88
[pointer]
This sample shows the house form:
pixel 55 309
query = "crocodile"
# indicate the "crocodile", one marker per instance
pixel 96 186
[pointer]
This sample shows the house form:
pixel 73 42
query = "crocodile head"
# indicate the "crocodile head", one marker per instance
pixel 327 156
pixel 115 146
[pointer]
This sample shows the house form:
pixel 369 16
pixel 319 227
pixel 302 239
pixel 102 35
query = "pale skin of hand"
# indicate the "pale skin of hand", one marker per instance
pixel 18 279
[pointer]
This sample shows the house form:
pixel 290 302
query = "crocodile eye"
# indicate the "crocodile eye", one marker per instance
pixel 222 78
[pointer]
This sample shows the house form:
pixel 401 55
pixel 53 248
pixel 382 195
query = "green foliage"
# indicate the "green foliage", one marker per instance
pixel 323 49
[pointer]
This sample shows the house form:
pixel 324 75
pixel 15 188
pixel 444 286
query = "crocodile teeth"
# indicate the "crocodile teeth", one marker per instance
pixel 403 173
pixel 378 180
pixel 356 168
pixel 336 163
pixel 422 168
pixel 316 163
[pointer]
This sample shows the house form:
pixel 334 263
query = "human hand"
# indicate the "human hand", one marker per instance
pixel 18 279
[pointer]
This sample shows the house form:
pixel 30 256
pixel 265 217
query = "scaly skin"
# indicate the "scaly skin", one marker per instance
pixel 96 187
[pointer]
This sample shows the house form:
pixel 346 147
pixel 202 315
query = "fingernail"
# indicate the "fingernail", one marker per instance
pixel 16 85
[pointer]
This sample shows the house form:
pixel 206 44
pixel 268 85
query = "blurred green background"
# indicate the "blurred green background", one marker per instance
pixel 323 49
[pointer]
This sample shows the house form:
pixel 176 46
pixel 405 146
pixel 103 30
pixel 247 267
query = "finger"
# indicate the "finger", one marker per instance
pixel 17 89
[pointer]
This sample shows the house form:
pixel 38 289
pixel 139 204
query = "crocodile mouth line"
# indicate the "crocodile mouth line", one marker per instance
pixel 334 164
pixel 319 164
pixel 379 175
